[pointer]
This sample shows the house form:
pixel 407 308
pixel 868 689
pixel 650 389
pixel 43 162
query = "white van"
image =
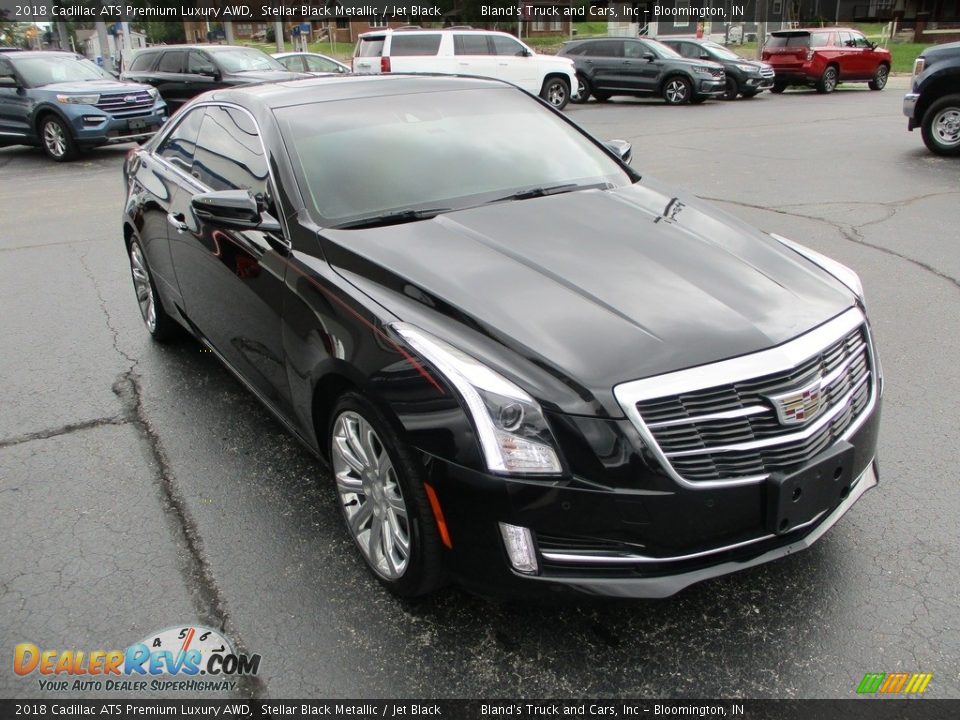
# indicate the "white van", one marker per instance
pixel 464 51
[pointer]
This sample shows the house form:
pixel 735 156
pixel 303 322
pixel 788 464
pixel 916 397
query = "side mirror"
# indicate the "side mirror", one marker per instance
pixel 704 56
pixel 8 81
pixel 233 209
pixel 649 56
pixel 621 148
pixel 527 53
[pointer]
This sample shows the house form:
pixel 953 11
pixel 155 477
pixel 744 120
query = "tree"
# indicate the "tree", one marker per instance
pixel 165 32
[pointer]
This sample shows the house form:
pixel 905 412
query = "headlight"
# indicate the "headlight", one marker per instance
pixel 918 65
pixel 840 271
pixel 513 433
pixel 153 92
pixel 747 68
pixel 91 99
pixel 702 69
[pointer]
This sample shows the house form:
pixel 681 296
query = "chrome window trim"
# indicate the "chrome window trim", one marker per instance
pixel 778 359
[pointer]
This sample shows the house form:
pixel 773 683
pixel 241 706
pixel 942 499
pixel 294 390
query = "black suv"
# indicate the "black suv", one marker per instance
pixel 628 66
pixel 180 72
pixel 933 102
pixel 744 77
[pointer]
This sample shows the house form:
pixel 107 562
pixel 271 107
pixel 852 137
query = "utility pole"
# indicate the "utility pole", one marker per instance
pixel 63 39
pixel 278 35
pixel 228 31
pixel 761 26
pixel 104 45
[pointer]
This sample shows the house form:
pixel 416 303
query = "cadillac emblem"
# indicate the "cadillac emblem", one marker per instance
pixel 800 405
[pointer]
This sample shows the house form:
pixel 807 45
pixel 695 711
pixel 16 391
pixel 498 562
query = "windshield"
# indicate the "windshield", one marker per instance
pixel 39 71
pixel 365 157
pixel 721 52
pixel 663 50
pixel 245 60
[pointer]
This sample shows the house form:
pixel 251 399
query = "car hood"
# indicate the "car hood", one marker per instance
pixel 94 86
pixel 591 288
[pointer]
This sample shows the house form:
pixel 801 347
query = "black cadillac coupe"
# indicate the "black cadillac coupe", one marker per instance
pixel 527 366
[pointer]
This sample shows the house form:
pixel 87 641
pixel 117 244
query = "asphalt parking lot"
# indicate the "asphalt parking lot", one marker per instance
pixel 142 487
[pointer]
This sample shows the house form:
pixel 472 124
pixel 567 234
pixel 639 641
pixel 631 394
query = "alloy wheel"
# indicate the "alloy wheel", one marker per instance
pixel 54 139
pixel 143 287
pixel 946 127
pixel 829 80
pixel 370 495
pixel 557 94
pixel 880 79
pixel 676 91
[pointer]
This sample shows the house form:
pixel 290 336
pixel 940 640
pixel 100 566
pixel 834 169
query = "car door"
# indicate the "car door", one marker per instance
pixel 845 55
pixel 202 73
pixel 515 64
pixel 474 56
pixel 169 79
pixel 601 62
pixel 640 73
pixel 15 106
pixel 156 181
pixel 319 64
pixel 232 281
pixel 864 58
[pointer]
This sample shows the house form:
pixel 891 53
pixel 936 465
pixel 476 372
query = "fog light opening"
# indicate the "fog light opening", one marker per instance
pixel 520 550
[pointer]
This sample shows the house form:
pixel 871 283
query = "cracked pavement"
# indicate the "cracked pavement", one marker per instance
pixel 142 487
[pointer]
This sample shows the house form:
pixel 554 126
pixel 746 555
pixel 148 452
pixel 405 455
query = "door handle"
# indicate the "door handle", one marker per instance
pixel 177 221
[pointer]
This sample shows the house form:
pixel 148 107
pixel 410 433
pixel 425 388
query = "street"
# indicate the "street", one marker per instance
pixel 142 487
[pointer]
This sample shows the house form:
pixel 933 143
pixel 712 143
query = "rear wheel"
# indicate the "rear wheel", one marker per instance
pixel 583 90
pixel 677 90
pixel 556 91
pixel 733 89
pixel 57 141
pixel 828 81
pixel 880 78
pixel 382 499
pixel 941 126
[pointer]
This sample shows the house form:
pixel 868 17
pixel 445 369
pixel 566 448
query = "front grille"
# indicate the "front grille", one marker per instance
pixel 732 431
pixel 126 104
pixel 717 73
pixel 767 72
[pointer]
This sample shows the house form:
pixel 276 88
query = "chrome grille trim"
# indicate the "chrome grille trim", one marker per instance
pixel 785 358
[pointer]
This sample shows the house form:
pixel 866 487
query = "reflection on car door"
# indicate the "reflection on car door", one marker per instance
pixel 232 281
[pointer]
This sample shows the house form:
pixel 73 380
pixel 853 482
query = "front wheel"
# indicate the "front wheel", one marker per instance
pixel 677 91
pixel 57 140
pixel 583 90
pixel 556 91
pixel 733 89
pixel 880 78
pixel 941 126
pixel 383 500
pixel 778 88
pixel 160 325
pixel 828 81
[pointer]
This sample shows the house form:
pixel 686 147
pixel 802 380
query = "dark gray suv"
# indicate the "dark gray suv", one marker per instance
pixel 629 66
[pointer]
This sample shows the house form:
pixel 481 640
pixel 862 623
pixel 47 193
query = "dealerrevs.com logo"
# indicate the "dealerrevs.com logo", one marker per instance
pixel 189 658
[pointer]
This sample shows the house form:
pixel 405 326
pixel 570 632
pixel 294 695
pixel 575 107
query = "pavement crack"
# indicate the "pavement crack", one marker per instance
pixel 63 430
pixel 106 313
pixel 853 233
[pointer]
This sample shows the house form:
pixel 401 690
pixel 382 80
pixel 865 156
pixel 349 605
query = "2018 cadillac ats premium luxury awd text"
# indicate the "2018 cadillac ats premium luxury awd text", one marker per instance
pixel 527 366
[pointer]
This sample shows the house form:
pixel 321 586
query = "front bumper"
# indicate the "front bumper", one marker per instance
pixel 711 86
pixel 910 108
pixel 92 126
pixel 759 83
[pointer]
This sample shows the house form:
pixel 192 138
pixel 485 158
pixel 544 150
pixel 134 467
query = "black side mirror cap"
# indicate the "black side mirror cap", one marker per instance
pixel 233 209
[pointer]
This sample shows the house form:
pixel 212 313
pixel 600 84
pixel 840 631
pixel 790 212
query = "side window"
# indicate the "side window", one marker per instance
pixel 507 46
pixel 470 45
pixel 171 62
pixel 690 50
pixel 843 39
pixel 319 64
pixel 229 152
pixel 142 62
pixel 606 48
pixel 179 146
pixel 199 64
pixel 420 44
pixel 633 50
pixel 819 39
pixel 860 41
pixel 6 68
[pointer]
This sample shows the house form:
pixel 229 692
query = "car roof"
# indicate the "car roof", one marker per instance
pixel 806 31
pixel 199 46
pixel 285 93
pixel 46 53
pixel 415 31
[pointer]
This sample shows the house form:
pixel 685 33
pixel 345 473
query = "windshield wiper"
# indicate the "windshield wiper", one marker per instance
pixel 392 218
pixel 550 190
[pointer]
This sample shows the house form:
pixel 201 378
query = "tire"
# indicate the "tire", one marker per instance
pixel 747 94
pixel 601 97
pixel 373 469
pixel 677 90
pixel 698 99
pixel 778 88
pixel 941 126
pixel 161 326
pixel 733 89
pixel 57 140
pixel 880 78
pixel 828 81
pixel 583 90
pixel 556 91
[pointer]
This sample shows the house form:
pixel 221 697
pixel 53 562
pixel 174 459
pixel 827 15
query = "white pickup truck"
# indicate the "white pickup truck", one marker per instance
pixel 456 51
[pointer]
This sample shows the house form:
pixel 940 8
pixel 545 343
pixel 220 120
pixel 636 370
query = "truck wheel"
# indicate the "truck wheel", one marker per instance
pixel 556 91
pixel 941 126
pixel 879 81
pixel 677 90
pixel 57 141
pixel 828 81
